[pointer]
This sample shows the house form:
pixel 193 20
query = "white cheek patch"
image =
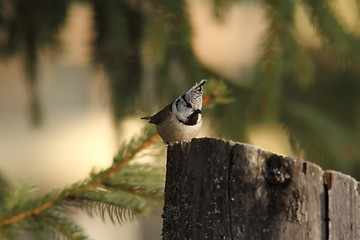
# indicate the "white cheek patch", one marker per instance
pixel 199 118
pixel 180 109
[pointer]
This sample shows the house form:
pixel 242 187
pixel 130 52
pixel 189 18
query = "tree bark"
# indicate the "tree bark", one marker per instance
pixel 217 189
pixel 343 206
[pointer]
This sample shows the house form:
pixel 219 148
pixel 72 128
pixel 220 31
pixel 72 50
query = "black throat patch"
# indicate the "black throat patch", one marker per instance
pixel 192 119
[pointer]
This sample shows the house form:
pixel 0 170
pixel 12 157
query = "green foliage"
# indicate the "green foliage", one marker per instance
pixel 4 188
pixel 29 26
pixel 135 143
pixel 220 7
pixel 281 56
pixel 121 192
pixel 339 144
pixel 140 178
pixel 310 92
pixel 119 205
pixel 56 226
pixel 343 44
pixel 167 53
pixel 116 46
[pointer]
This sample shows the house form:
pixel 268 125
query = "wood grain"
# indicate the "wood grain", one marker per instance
pixel 218 189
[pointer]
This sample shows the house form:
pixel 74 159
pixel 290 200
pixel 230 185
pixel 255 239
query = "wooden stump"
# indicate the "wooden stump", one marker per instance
pixel 343 206
pixel 217 189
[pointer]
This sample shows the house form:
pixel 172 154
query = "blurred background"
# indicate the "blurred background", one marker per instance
pixel 76 76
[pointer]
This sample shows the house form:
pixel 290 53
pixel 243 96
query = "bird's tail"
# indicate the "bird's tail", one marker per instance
pixel 146 118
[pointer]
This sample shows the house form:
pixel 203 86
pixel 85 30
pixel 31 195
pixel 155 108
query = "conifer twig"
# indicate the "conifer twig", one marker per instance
pixel 26 214
pixel 121 164
pixel 210 97
pixel 91 185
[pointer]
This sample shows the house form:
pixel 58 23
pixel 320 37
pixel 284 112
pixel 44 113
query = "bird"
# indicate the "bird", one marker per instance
pixel 181 119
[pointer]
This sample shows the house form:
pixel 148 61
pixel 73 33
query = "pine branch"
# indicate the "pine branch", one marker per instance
pixel 281 57
pixel 156 35
pixel 29 27
pixel 220 7
pixel 344 45
pixel 4 188
pixel 118 205
pixel 216 92
pixel 139 179
pixel 278 36
pixel 116 47
pixel 213 94
pixel 60 227
pixel 34 207
pixel 129 151
pixel 340 144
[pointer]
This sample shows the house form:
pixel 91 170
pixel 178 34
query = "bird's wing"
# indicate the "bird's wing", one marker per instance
pixel 160 116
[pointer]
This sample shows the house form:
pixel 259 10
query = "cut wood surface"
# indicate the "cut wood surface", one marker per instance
pixel 343 206
pixel 218 189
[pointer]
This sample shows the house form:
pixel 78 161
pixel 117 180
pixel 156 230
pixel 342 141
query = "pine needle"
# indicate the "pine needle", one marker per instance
pixel 119 206
pixel 61 228
pixel 35 206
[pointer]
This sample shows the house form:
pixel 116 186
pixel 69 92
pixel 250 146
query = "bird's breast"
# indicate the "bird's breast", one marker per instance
pixel 172 130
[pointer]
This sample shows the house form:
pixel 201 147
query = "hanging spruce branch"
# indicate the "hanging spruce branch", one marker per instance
pixel 344 45
pixel 119 192
pixel 281 58
pixel 29 27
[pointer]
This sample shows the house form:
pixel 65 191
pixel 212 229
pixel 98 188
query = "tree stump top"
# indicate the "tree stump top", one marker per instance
pixel 217 189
